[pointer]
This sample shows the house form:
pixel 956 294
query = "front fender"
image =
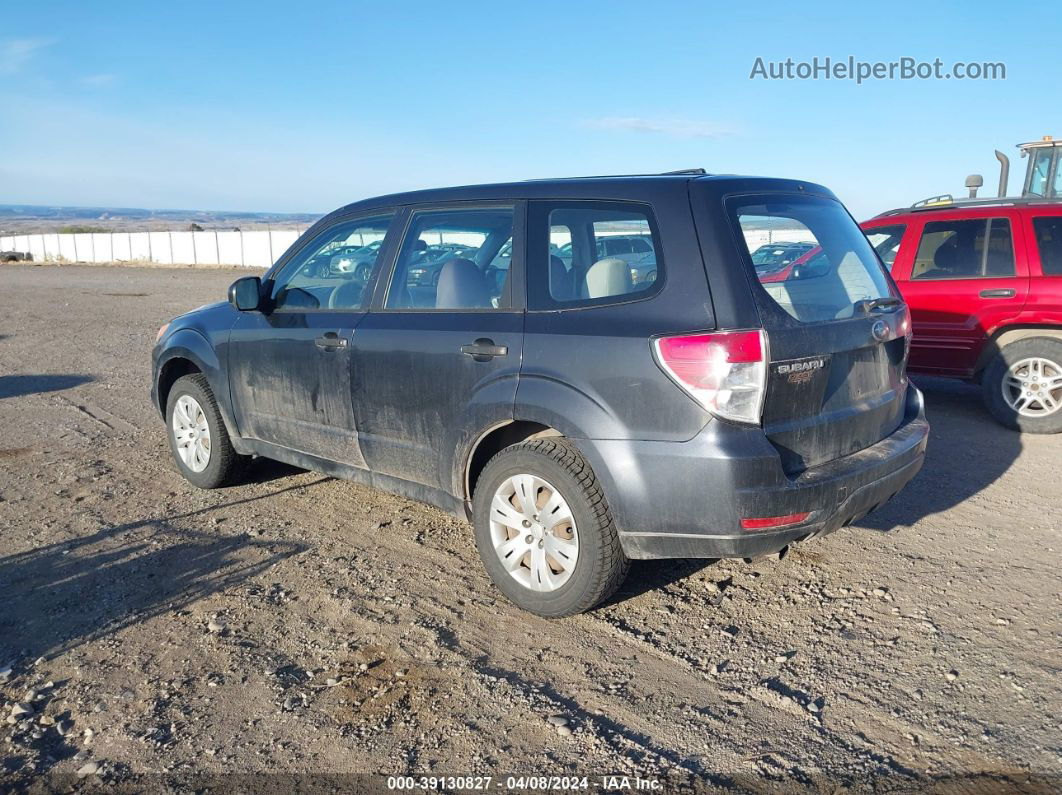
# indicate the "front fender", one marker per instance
pixel 191 345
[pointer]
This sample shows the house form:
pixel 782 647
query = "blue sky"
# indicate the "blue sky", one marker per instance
pixel 304 107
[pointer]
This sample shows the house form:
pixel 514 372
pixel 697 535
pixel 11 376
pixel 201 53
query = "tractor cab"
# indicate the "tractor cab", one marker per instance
pixel 1043 178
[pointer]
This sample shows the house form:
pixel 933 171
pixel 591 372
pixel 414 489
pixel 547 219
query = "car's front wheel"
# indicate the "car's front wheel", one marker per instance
pixel 198 440
pixel 1022 386
pixel 544 529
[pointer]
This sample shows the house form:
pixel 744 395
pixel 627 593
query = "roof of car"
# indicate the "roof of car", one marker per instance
pixel 632 187
pixel 946 202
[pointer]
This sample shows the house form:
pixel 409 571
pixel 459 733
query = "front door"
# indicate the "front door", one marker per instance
pixel 437 360
pixel 962 282
pixel 290 365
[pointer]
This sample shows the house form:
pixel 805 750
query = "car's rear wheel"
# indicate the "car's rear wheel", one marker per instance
pixel 198 440
pixel 1022 386
pixel 544 530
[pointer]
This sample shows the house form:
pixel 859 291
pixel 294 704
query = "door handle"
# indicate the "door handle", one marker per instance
pixel 1005 292
pixel 483 350
pixel 330 341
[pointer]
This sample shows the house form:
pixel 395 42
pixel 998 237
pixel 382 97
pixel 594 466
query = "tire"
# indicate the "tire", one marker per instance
pixel 222 461
pixel 600 564
pixel 1044 355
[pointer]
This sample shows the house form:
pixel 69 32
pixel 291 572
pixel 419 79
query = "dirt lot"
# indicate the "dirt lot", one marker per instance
pixel 301 624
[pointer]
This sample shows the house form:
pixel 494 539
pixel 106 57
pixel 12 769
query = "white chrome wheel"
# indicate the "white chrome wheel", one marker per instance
pixel 534 533
pixel 1033 387
pixel 191 433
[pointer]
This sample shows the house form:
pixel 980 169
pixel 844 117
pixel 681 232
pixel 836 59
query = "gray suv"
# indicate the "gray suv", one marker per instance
pixel 577 416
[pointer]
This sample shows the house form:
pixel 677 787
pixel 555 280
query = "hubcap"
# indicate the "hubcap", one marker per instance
pixel 534 533
pixel 191 433
pixel 1033 387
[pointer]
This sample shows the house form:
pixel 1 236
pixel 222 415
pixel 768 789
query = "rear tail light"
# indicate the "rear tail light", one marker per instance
pixel 726 371
pixel 774 522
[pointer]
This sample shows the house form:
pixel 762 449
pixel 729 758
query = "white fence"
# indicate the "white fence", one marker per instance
pixel 258 248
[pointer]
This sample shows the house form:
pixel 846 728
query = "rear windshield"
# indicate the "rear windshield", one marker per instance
pixel 809 256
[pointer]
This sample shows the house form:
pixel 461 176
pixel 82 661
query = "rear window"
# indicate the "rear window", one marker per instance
pixel 1049 239
pixel 824 267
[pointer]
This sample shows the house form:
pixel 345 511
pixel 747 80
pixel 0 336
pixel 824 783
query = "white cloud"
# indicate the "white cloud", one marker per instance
pixel 14 53
pixel 98 81
pixel 677 128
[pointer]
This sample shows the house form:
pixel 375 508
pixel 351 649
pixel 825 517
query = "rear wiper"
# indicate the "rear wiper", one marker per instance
pixel 868 305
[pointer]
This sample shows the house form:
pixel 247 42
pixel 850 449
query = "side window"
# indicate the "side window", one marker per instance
pixel 332 270
pixel 454 259
pixel 1049 239
pixel 596 253
pixel 886 241
pixel 973 249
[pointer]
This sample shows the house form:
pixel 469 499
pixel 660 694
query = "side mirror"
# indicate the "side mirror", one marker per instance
pixel 246 294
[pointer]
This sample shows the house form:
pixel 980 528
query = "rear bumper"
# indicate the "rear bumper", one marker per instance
pixel 687 499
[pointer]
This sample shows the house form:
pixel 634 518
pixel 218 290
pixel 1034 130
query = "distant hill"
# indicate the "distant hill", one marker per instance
pixel 27 218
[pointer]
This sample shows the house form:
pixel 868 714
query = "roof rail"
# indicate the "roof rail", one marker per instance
pixel 932 201
pixel 690 172
pixel 946 202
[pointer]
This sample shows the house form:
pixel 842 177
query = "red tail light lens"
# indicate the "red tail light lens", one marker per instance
pixel 772 522
pixel 726 372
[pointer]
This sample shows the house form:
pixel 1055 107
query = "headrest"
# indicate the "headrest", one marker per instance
pixel 610 276
pixel 461 284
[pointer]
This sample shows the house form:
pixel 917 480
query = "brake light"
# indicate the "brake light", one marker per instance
pixel 771 522
pixel 726 371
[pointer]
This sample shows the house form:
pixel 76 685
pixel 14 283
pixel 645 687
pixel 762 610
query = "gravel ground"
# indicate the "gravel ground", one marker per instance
pixel 300 624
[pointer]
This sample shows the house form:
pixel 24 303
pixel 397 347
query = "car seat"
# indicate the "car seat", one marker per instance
pixel 462 284
pixel 609 276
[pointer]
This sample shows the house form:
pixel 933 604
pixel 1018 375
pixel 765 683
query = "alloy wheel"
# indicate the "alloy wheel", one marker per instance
pixel 1033 387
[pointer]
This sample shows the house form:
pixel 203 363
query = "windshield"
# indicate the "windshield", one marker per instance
pixel 1040 172
pixel 828 275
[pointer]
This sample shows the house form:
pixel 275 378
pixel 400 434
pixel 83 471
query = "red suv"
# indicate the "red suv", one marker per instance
pixel 983 280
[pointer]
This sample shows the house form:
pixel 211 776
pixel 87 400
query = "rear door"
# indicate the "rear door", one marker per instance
pixel 963 276
pixel 1043 227
pixel 836 331
pixel 438 363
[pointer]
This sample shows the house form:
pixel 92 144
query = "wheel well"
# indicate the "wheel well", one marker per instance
pixel 1008 335
pixel 496 440
pixel 171 371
